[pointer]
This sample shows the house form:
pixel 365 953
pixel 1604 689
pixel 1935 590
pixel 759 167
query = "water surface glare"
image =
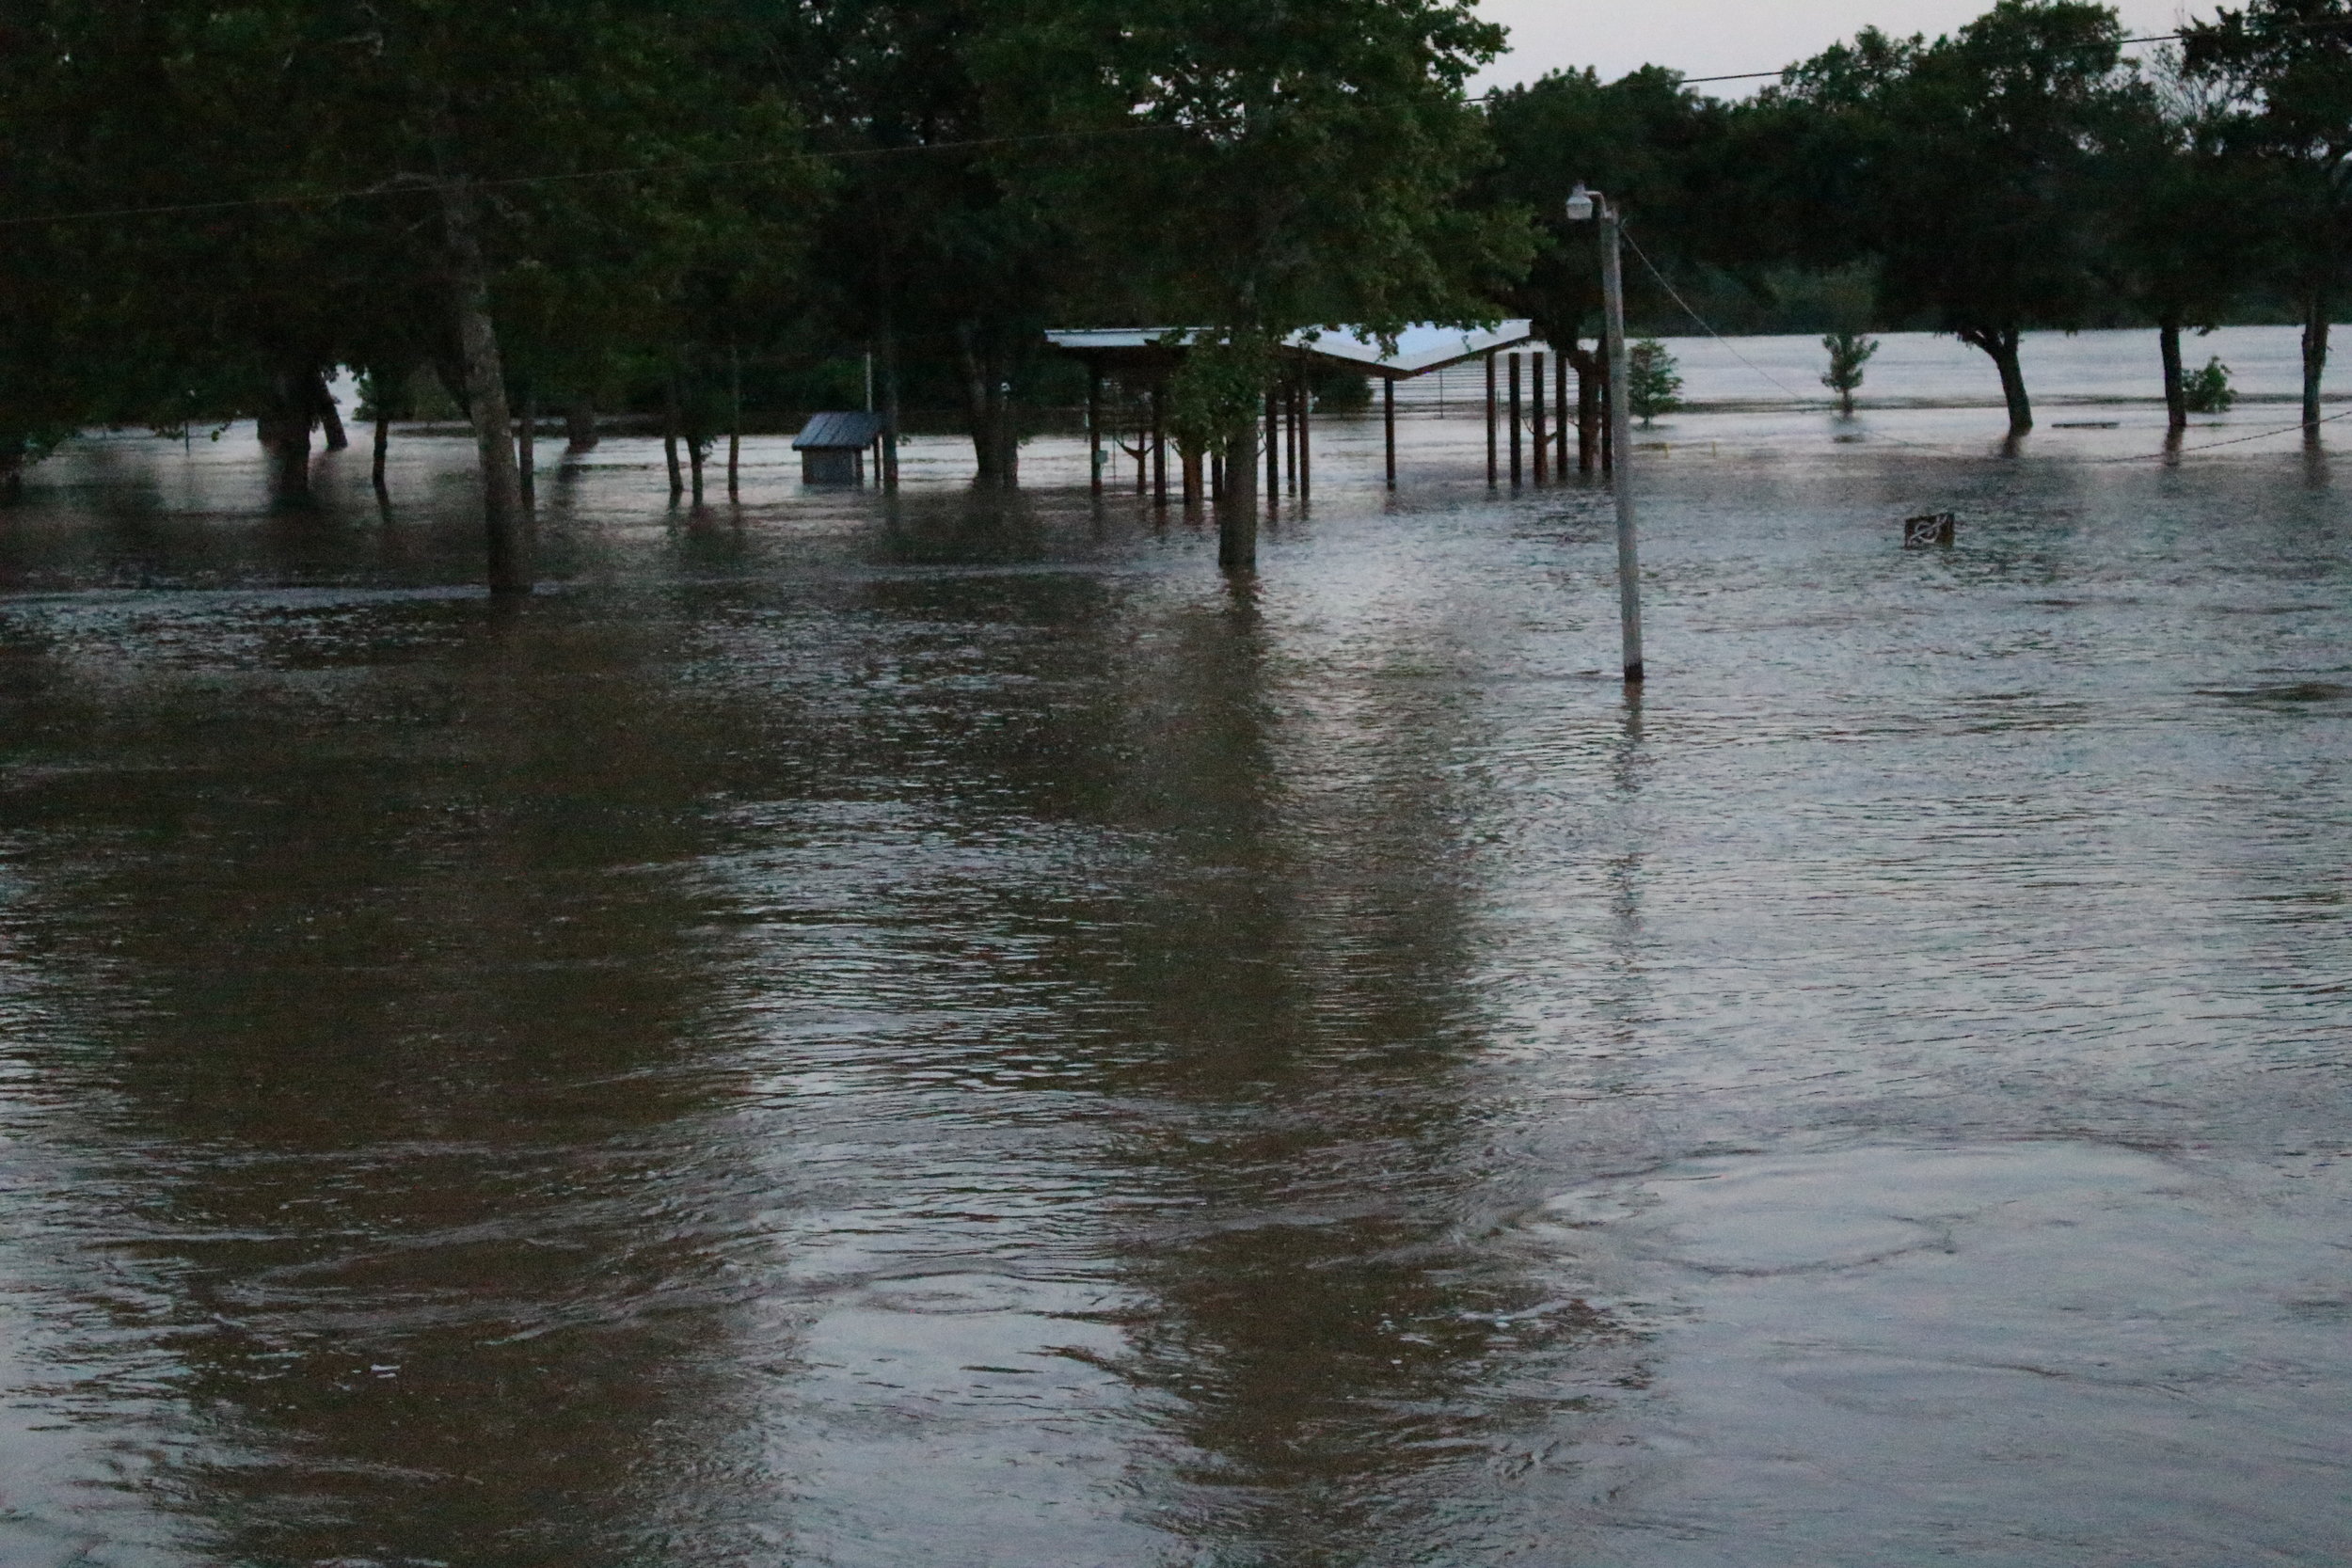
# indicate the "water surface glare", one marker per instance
pixel 864 1034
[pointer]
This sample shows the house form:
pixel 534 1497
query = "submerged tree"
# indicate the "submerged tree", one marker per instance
pixel 1848 353
pixel 1257 172
pixel 1964 166
pixel 2286 68
pixel 1661 152
pixel 1653 380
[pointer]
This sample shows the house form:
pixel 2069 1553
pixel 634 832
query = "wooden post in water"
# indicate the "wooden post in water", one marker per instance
pixel 1094 424
pixel 1490 418
pixel 734 419
pixel 1621 444
pixel 1159 444
pixel 1515 421
pixel 1543 437
pixel 1305 433
pixel 1559 410
pixel 1290 431
pixel 1387 423
pixel 1273 448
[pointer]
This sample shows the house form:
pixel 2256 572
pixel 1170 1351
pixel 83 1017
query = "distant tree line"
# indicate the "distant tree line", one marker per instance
pixel 533 210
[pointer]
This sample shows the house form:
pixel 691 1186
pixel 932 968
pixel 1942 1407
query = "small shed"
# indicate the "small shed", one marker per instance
pixel 832 447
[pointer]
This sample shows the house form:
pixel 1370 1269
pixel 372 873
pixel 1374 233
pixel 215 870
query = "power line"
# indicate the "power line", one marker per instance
pixel 1760 75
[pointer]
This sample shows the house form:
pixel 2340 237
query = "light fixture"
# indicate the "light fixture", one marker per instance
pixel 1579 204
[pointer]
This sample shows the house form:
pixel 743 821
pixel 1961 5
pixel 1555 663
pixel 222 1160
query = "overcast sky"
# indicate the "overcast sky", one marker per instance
pixel 1708 38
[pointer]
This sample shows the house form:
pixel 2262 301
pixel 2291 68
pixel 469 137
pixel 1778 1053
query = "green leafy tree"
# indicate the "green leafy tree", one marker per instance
pixel 2285 69
pixel 1848 353
pixel 1661 152
pixel 2180 212
pixel 1653 380
pixel 1964 166
pixel 1254 171
pixel 2208 391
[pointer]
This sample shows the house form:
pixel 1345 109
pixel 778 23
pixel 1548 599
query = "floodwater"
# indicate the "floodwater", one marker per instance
pixel 944 1033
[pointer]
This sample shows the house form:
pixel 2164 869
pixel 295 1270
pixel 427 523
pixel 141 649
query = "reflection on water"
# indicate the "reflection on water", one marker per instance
pixel 867 1032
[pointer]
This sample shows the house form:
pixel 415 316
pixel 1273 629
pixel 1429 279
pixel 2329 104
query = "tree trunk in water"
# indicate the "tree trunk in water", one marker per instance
pixel 2314 355
pixel 330 417
pixel 1587 410
pixel 284 429
pixel 695 449
pixel 669 439
pixel 579 427
pixel 527 447
pixel 735 424
pixel 1007 429
pixel 2000 345
pixel 889 405
pixel 383 445
pixel 486 394
pixel 984 406
pixel 2176 399
pixel 1238 510
pixel 1189 457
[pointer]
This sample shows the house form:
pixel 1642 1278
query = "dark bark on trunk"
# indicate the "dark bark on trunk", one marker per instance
pixel 1589 374
pixel 486 394
pixel 2000 345
pixel 978 404
pixel 2175 398
pixel 1237 511
pixel 1188 459
pixel 527 447
pixel 988 397
pixel 889 357
pixel 2315 355
pixel 735 424
pixel 579 426
pixel 284 429
pixel 695 449
pixel 669 439
pixel 330 417
pixel 383 445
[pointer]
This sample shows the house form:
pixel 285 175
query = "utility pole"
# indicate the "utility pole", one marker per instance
pixel 1583 206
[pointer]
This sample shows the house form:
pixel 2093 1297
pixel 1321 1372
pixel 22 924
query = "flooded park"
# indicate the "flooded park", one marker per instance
pixel 941 1029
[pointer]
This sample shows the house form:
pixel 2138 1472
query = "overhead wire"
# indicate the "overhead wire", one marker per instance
pixel 510 182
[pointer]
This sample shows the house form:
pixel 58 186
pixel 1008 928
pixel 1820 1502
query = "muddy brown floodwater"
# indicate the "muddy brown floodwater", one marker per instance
pixel 942 1032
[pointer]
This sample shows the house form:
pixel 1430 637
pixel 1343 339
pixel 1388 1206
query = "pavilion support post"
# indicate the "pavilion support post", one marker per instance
pixel 1159 443
pixel 1388 424
pixel 1560 411
pixel 1587 418
pixel 1514 422
pixel 1273 446
pixel 1306 434
pixel 1543 437
pixel 1490 421
pixel 1290 434
pixel 1094 424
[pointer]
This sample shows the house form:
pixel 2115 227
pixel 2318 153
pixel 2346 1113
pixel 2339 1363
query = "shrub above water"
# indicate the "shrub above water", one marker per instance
pixel 2208 390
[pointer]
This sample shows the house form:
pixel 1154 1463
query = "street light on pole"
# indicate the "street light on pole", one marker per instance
pixel 1583 206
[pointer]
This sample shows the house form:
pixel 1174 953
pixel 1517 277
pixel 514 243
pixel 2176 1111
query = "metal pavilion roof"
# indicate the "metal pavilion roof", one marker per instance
pixel 1419 349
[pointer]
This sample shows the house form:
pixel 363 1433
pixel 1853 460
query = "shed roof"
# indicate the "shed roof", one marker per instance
pixel 838 431
pixel 1419 349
